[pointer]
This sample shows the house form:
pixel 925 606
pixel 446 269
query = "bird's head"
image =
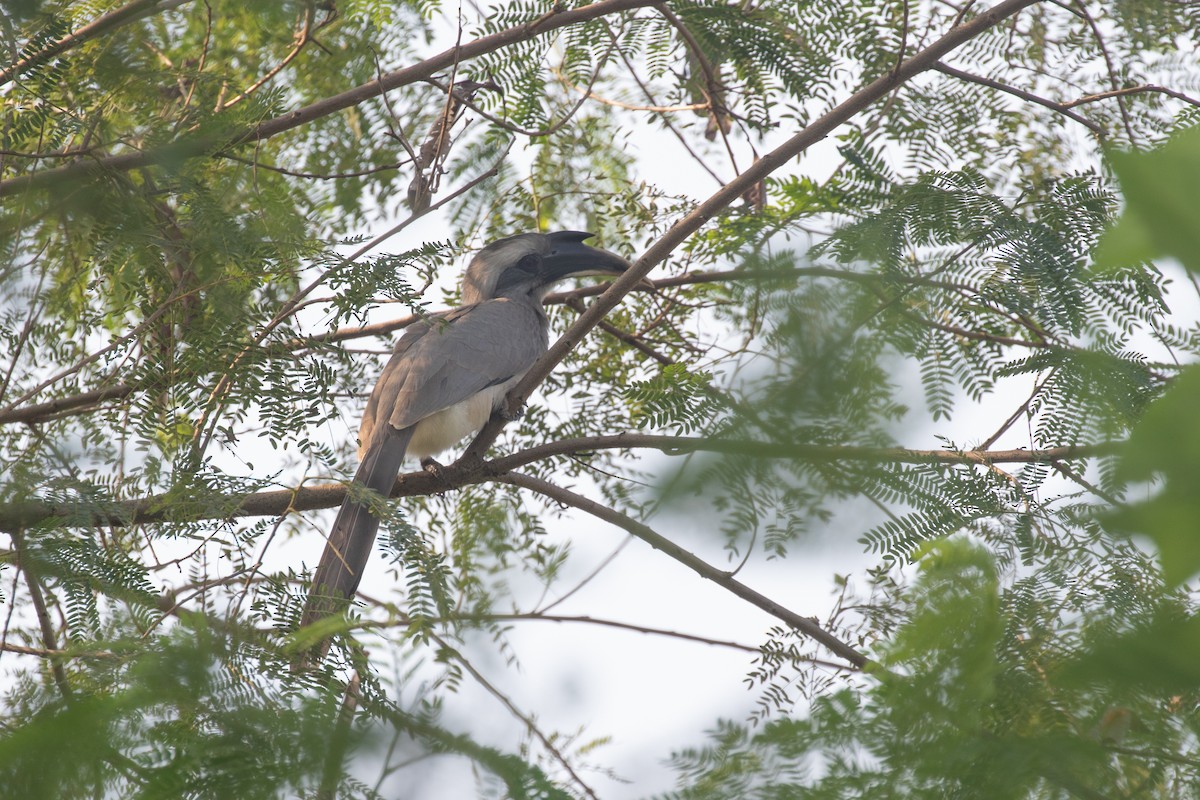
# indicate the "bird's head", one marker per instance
pixel 530 263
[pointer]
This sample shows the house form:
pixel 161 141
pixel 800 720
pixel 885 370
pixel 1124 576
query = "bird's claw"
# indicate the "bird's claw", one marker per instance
pixel 511 413
pixel 436 470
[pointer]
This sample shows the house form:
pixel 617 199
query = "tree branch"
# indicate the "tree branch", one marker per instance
pixel 1061 108
pixel 723 197
pixel 42 411
pixel 1144 88
pixel 131 12
pixel 805 625
pixel 42 652
pixel 49 638
pixel 85 401
pixel 526 720
pixel 196 146
pixel 612 623
pixel 680 445
pixel 466 472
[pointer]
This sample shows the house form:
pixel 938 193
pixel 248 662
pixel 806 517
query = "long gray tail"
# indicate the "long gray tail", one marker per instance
pixel 353 534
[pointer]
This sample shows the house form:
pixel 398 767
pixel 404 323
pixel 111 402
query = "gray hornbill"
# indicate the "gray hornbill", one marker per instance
pixel 448 373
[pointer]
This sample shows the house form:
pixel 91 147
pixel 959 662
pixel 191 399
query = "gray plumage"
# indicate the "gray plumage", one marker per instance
pixel 447 374
pixel 450 358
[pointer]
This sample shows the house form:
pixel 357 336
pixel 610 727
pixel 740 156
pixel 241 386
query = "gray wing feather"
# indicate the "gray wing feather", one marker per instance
pixel 446 359
pixel 412 334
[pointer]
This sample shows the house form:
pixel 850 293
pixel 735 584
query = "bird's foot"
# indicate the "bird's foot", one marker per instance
pixel 436 470
pixel 511 412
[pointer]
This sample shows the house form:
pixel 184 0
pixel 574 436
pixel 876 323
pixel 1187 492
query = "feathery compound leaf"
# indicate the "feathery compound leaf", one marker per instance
pixel 674 399
pixel 922 380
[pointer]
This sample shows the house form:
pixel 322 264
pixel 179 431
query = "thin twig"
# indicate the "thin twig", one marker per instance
pixel 1144 88
pixel 507 702
pixel 1061 108
pixel 805 625
pixel 313 175
pixel 38 600
pixel 303 37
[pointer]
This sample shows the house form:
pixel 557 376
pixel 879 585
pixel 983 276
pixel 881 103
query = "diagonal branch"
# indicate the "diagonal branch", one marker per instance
pixel 723 197
pixel 200 145
pixel 1061 108
pixel 527 720
pixel 130 12
pixel 805 625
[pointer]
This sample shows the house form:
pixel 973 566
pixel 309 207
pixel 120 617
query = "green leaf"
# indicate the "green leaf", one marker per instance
pixel 1162 217
pixel 1163 656
pixel 1166 445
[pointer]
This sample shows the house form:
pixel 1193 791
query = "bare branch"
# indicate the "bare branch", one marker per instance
pixel 1061 108
pixel 628 626
pixel 526 720
pixel 303 37
pixel 1110 66
pixel 680 445
pixel 805 625
pixel 1142 89
pixel 42 652
pixel 43 411
pixel 49 638
pixel 332 176
pixel 612 623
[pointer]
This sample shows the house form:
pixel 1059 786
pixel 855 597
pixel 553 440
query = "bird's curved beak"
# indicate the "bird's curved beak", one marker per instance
pixel 569 257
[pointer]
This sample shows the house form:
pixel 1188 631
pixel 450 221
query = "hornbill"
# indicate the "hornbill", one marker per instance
pixel 447 374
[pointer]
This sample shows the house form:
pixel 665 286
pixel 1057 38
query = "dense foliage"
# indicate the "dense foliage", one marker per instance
pixel 914 232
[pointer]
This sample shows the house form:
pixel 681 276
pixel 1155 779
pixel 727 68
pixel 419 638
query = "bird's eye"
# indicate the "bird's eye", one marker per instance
pixel 530 263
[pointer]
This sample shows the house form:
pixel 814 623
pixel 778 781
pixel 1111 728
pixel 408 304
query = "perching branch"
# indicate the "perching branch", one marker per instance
pixel 730 192
pixel 465 472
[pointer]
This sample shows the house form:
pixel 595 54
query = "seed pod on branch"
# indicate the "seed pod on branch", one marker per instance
pixel 436 147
